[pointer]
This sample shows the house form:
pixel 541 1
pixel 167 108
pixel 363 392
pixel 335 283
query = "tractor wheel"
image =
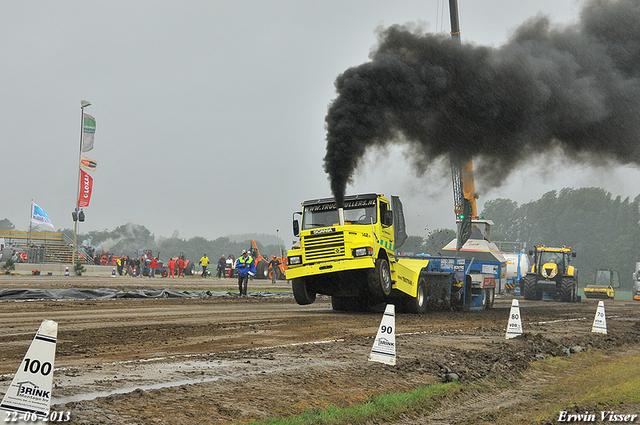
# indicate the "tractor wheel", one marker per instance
pixel 529 288
pixel 301 292
pixel 418 305
pixel 380 279
pixel 262 270
pixel 567 290
pixel 189 269
pixel 164 273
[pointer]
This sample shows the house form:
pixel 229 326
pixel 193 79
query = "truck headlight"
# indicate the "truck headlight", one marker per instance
pixel 294 260
pixel 363 252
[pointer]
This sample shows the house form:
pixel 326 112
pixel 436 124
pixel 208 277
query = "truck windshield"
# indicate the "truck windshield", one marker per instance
pixel 361 211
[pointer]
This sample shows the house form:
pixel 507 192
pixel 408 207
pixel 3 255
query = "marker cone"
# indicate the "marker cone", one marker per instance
pixel 600 321
pixel 30 390
pixel 514 328
pixel 384 347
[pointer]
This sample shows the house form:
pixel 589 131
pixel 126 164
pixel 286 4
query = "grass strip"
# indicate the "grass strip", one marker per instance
pixel 589 380
pixel 384 407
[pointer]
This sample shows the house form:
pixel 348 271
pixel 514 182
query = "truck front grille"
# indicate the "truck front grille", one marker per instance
pixel 323 247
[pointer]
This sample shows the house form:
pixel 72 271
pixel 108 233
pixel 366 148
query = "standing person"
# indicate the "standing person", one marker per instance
pixel 205 262
pixel 222 264
pixel 153 265
pixel 180 267
pixel 273 268
pixel 172 267
pixel 245 267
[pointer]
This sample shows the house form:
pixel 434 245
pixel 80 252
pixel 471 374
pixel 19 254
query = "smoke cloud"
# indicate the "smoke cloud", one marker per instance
pixel 576 88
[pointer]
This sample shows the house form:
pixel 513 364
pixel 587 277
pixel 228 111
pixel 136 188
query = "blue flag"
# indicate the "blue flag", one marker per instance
pixel 38 216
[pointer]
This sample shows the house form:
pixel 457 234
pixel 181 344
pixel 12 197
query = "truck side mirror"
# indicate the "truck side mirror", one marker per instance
pixel 531 252
pixel 573 254
pixel 296 228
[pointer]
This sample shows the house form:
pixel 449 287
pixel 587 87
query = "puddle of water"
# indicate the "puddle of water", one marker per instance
pixel 93 396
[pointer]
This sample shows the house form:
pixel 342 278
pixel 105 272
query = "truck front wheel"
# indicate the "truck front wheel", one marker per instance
pixel 301 292
pixel 380 279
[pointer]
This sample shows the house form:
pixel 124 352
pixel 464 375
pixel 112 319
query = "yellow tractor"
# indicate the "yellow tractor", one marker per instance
pixel 551 274
pixel 604 286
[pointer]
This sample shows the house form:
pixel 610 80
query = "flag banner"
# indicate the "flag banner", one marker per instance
pixel 38 216
pixel 88 164
pixel 88 131
pixel 86 186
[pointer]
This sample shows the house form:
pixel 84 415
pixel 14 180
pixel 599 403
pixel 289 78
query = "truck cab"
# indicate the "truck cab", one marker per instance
pixel 355 244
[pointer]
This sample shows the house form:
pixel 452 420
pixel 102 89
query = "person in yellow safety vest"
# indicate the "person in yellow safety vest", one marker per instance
pixel 119 264
pixel 205 262
pixel 246 267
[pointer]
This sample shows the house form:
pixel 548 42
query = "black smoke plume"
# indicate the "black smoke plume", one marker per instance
pixel 574 87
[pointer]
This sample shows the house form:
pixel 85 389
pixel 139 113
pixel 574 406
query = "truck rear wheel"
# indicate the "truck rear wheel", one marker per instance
pixel 529 288
pixel 380 279
pixel 567 290
pixel 418 305
pixel 301 292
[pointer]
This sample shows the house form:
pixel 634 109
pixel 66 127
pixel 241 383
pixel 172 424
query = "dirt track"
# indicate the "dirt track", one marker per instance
pixel 225 359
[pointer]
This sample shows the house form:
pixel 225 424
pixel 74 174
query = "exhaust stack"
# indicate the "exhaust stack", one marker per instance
pixel 341 216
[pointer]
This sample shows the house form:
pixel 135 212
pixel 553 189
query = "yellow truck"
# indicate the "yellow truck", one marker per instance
pixel 605 284
pixel 349 253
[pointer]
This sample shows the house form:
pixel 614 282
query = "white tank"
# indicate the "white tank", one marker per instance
pixel 516 261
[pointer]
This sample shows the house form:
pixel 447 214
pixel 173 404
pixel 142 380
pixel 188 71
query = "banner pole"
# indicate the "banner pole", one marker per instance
pixel 83 103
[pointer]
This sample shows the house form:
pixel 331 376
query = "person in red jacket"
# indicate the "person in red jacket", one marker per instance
pixel 172 267
pixel 153 265
pixel 181 267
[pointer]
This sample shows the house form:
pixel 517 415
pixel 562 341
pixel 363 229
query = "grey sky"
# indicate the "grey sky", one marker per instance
pixel 210 115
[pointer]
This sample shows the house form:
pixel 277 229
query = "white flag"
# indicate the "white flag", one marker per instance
pixel 88 131
pixel 38 216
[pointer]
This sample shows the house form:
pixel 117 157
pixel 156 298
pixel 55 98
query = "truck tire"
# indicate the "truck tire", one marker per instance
pixel 567 290
pixel 301 292
pixel 262 270
pixel 380 279
pixel 529 288
pixel 418 305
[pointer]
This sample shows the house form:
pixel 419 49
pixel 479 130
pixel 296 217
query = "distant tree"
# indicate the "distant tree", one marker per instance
pixel 413 244
pixel 6 225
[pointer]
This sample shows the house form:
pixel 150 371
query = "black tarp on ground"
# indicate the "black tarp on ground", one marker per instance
pixel 105 293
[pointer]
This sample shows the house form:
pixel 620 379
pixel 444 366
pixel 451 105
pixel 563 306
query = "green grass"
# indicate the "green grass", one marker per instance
pixel 382 408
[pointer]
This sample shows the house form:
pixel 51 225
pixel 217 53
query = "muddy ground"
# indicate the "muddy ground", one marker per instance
pixel 225 359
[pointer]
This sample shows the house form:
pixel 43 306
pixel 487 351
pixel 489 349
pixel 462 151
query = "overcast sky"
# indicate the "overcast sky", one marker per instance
pixel 210 114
